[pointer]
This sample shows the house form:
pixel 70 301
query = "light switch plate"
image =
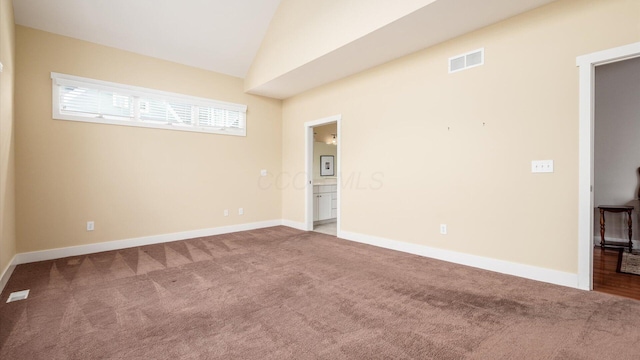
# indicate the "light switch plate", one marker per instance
pixel 542 166
pixel 263 172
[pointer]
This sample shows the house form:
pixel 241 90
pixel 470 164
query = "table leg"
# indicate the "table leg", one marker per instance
pixel 630 223
pixel 602 228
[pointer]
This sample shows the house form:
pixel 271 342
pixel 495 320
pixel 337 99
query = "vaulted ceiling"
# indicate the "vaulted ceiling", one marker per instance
pixel 225 35
pixel 217 35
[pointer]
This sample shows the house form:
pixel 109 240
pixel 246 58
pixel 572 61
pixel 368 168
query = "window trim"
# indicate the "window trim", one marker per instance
pixel 58 79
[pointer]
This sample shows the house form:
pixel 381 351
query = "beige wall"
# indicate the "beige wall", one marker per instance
pixel 304 30
pixel 617 144
pixel 456 149
pixel 319 149
pixel 7 144
pixel 132 181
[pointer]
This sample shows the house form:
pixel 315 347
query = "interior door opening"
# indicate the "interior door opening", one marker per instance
pixel 615 186
pixel 325 179
pixel 323 176
pixel 587 65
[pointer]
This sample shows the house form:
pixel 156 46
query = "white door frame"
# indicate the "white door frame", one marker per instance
pixel 587 64
pixel 308 155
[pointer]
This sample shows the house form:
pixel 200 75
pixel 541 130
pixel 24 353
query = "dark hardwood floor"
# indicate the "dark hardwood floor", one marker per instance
pixel 607 280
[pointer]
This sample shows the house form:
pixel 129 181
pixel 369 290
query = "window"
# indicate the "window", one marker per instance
pixel 82 99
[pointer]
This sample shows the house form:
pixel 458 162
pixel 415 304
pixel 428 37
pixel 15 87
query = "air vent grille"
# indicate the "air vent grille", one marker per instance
pixel 18 295
pixel 457 64
pixel 466 61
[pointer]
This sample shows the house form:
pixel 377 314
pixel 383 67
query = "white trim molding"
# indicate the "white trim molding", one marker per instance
pixel 24 258
pixel 51 254
pixel 505 267
pixel 294 224
pixel 6 273
pixel 308 153
pixel 587 64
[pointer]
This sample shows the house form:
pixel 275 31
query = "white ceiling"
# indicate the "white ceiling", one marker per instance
pixel 225 35
pixel 325 133
pixel 217 35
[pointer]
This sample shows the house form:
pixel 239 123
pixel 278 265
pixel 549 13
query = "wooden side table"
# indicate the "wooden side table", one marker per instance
pixel 614 209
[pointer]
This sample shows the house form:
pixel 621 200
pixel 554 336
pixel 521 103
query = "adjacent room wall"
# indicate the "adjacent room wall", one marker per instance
pixel 421 147
pixel 132 182
pixel 617 145
pixel 319 149
pixel 7 143
pixel 304 30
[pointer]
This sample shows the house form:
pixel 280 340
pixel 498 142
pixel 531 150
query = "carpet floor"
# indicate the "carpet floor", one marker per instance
pixel 280 293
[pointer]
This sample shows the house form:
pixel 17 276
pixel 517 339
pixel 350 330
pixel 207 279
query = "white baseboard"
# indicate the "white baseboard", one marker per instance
pixel 505 267
pixel 294 224
pixel 58 253
pixel 6 273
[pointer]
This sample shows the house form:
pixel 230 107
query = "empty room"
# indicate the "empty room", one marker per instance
pixel 304 179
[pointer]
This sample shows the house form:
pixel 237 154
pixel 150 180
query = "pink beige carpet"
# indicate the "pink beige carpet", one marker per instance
pixel 280 293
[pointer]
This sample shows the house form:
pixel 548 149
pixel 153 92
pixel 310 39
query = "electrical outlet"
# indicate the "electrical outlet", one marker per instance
pixel 241 211
pixel 90 226
pixel 443 229
pixel 226 212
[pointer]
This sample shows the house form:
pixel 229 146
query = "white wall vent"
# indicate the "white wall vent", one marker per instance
pixel 18 295
pixel 466 61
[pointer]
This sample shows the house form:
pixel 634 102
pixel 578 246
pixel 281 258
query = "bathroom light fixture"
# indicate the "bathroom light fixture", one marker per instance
pixel 334 140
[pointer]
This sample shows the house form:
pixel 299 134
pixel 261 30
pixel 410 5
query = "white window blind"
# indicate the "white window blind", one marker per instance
pixel 89 100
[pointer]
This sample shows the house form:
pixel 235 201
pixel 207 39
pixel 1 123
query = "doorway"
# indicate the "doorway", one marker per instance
pixel 616 129
pixel 587 66
pixel 323 163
